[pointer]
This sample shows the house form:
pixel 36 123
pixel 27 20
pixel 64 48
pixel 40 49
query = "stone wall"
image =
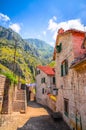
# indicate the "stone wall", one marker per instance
pixel 51 104
pixel 4 94
pixel 80 94
pixel 2 84
pixel 71 86
pixel 19 100
pixel 40 97
pixel 5 104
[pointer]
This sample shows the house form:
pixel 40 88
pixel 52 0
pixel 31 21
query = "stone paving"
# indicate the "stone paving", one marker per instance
pixel 36 118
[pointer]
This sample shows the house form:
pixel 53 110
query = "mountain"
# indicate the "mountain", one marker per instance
pixel 43 50
pixel 20 57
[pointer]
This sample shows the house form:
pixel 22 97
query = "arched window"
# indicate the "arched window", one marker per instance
pixel 64 68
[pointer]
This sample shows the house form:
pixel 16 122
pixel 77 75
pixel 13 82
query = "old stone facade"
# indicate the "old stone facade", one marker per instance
pixel 2 84
pixel 4 94
pixel 45 84
pixel 71 80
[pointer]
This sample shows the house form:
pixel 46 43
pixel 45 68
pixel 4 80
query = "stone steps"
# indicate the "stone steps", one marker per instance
pixel 19 101
pixel 18 106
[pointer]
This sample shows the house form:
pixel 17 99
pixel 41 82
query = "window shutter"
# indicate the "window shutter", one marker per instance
pixel 53 80
pixel 66 66
pixel 59 48
pixel 61 69
pixel 44 80
pixel 42 90
pixel 41 80
pixel 39 72
pixel 66 107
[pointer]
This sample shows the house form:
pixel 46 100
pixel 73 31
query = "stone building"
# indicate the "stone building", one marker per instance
pixel 45 86
pixel 4 94
pixel 70 57
pixel 2 84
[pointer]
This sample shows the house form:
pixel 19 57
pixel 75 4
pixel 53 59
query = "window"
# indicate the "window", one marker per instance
pixel 53 80
pixel 64 68
pixel 66 107
pixel 59 48
pixel 43 80
pixel 84 44
pixel 38 72
pixel 42 90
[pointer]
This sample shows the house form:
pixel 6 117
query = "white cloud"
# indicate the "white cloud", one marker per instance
pixel 44 33
pixel 4 17
pixel 55 18
pixel 52 44
pixel 16 27
pixel 39 36
pixel 53 26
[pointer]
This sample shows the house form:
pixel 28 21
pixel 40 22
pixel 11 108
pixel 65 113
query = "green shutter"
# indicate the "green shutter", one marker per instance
pixel 59 48
pixel 61 69
pixel 44 80
pixel 66 66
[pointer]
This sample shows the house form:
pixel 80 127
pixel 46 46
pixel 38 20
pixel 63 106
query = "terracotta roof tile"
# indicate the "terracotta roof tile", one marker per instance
pixel 47 69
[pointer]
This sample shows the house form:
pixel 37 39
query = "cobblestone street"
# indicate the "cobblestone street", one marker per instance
pixel 36 118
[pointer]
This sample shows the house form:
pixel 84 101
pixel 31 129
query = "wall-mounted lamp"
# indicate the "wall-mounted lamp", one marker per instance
pixel 55 91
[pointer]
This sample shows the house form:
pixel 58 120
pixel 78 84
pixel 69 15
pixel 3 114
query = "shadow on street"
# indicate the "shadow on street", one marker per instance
pixel 34 104
pixel 44 122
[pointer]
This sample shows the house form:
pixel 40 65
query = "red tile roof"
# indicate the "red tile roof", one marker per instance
pixel 74 32
pixel 47 69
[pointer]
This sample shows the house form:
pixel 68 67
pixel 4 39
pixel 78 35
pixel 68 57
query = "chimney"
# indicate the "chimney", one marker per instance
pixel 60 31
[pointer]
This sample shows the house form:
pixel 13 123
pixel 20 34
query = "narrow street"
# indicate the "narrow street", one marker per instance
pixel 36 118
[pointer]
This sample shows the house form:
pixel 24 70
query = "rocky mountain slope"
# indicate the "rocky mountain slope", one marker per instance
pixel 20 57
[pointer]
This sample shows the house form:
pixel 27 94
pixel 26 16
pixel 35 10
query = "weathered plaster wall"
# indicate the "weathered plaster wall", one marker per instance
pixel 73 85
pixel 2 85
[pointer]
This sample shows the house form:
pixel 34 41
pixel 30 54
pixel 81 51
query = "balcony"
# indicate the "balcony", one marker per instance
pixel 78 61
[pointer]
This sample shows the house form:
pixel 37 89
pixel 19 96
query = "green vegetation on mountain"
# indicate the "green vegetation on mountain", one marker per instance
pixel 43 50
pixel 19 57
pixel 52 64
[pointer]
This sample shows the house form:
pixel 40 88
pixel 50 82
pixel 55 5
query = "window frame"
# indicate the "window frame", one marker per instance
pixel 54 80
pixel 66 107
pixel 43 80
pixel 43 90
pixel 38 72
pixel 64 68
pixel 59 48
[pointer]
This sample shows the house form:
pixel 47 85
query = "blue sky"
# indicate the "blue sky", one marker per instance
pixel 42 18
